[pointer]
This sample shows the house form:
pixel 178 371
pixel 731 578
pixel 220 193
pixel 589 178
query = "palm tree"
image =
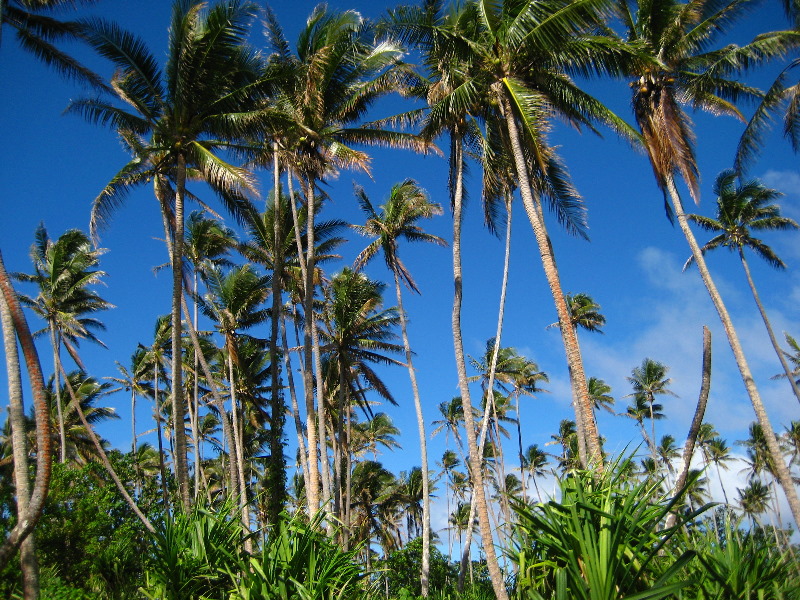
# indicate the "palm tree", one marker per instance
pixel 233 302
pixel 648 381
pixel 534 462
pixel 357 333
pixel 182 117
pixel 741 208
pixel 64 271
pixel 600 394
pixel 719 453
pixel 406 206
pixel 374 432
pixel 682 66
pixel 754 499
pixel 36 30
pixel 322 95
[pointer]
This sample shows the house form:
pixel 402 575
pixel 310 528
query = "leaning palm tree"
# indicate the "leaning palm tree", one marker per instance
pixel 407 204
pixel 681 65
pixel 64 271
pixel 744 207
pixel 182 117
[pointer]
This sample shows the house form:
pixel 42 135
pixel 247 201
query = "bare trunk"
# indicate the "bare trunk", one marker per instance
pixel 101 453
pixel 194 415
pixel 423 446
pixel 584 413
pixel 478 495
pixel 44 455
pixel 298 425
pixel 55 342
pixel 697 421
pixel 157 417
pixel 307 266
pixel 781 355
pixel 178 399
pixel 29 565
pixel 782 472
pixel 238 454
pixel 276 469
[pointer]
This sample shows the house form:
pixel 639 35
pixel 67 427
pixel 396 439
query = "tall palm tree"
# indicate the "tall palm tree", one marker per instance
pixel 182 117
pixel 682 65
pixel 648 381
pixel 534 462
pixel 323 92
pixel 743 207
pixel 600 394
pixel 357 333
pixel 754 499
pixel 407 204
pixel 234 302
pixel 64 271
pixel 719 453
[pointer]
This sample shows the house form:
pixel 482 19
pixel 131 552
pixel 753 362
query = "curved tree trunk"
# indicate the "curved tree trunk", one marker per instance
pixel 782 472
pixel 478 491
pixel 178 399
pixel 44 455
pixel 781 356
pixel 423 446
pixel 584 413
pixel 697 421
pixel 19 448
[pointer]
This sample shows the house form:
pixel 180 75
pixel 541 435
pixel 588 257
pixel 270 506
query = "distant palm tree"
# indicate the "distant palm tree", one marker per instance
pixel 65 270
pixel 648 381
pixel 754 499
pixel 719 453
pixel 406 206
pixel 600 394
pixel 742 208
pixel 534 462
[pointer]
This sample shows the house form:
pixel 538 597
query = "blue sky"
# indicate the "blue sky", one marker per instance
pixel 52 166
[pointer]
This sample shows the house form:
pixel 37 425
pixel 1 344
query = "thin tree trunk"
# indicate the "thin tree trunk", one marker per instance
pixel 423 446
pixel 301 444
pixel 29 565
pixel 238 453
pixel 307 266
pixel 101 453
pixel 781 355
pixel 276 468
pixel 195 417
pixel 478 495
pixel 44 455
pixel 55 342
pixel 157 416
pixel 697 421
pixel 782 472
pixel 584 413
pixel 178 399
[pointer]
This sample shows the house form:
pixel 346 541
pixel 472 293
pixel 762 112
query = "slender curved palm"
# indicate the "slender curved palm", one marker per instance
pixel 64 271
pixel 182 117
pixel 534 463
pixel 719 453
pixel 684 66
pixel 744 207
pixel 135 380
pixel 754 499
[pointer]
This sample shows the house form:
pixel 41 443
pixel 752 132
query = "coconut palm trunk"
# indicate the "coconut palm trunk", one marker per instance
pixel 781 470
pixel 276 469
pixel 478 490
pixel 781 355
pixel 177 396
pixel 423 446
pixel 44 455
pixel 584 415
pixel 29 564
